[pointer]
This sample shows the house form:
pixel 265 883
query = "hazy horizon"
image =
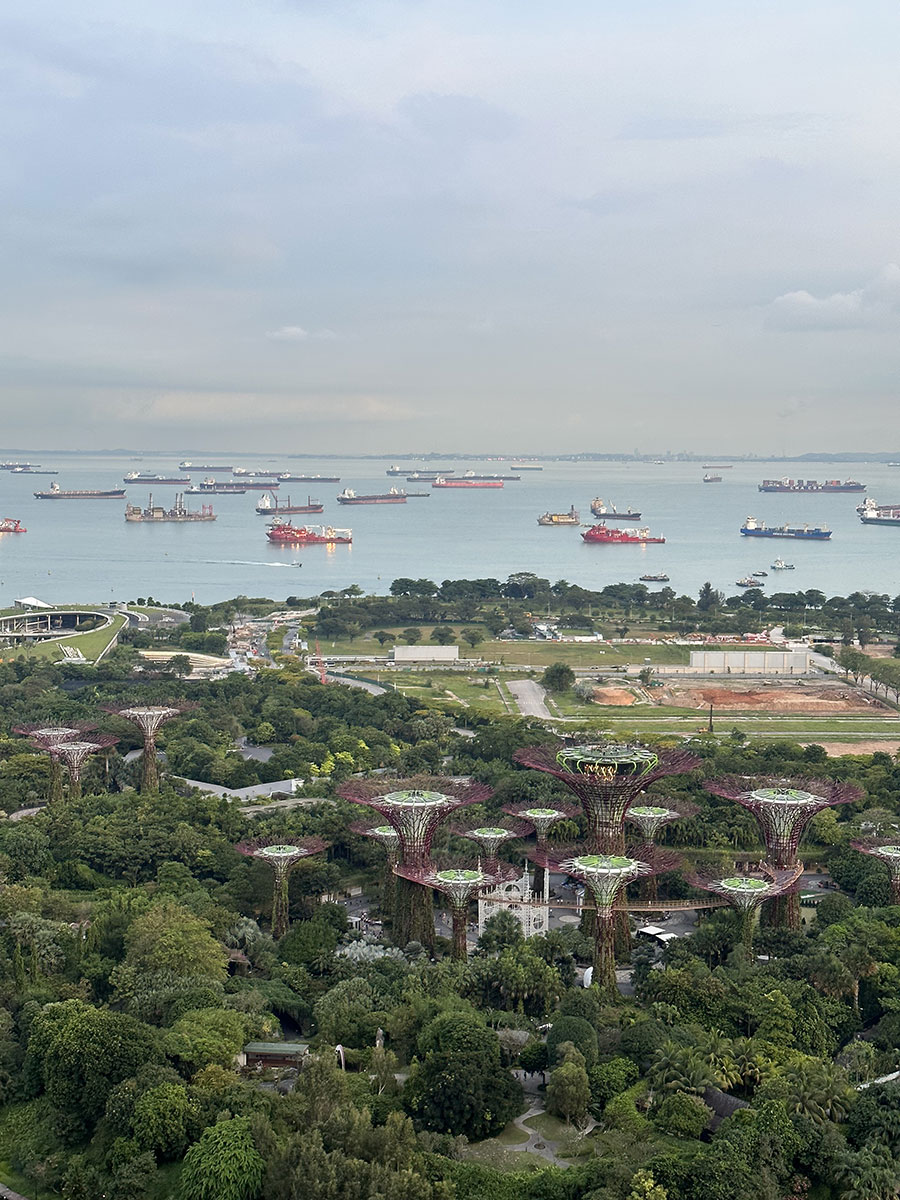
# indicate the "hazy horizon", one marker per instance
pixel 350 226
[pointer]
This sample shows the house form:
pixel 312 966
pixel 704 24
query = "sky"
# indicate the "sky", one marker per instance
pixel 319 226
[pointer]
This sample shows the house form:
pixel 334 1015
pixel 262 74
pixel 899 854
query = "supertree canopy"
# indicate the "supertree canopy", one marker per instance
pixel 149 718
pixel 47 738
pixel 491 837
pixel 282 858
pixel 74 753
pixel 650 818
pixel 607 778
pixel 543 819
pixel 460 884
pixel 747 893
pixel 889 853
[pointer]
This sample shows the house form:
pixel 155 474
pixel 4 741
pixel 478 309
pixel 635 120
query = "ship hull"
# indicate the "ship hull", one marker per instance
pixel 371 499
pixel 881 520
pixel 468 483
pixel 113 494
pixel 813 535
pixel 309 478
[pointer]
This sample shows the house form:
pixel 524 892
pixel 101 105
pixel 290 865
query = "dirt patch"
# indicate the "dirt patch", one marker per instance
pixel 834 749
pixel 778 697
pixel 614 697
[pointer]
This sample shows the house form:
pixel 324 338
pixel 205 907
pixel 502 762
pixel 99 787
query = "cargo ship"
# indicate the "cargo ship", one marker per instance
pixel 394 496
pixel 488 478
pixel 11 525
pixel 569 518
pixel 187 465
pixel 243 472
pixel 32 471
pixel 754 528
pixel 393 469
pixel 609 512
pixel 654 578
pixel 17 466
pixel 286 477
pixel 308 535
pixel 525 467
pixel 879 514
pixel 270 505
pixel 420 475
pixel 218 487
pixel 811 485
pixel 718 467
pixel 147 477
pixel 441 482
pixel 57 493
pixel 178 512
pixel 712 478
pixel 620 537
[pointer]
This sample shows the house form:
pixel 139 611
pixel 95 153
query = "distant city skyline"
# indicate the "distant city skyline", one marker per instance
pixel 344 227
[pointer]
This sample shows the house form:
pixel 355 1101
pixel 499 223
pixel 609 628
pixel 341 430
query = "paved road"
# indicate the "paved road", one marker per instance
pixel 529 697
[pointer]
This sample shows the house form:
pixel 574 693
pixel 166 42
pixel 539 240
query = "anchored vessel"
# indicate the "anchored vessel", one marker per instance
pixel 441 482
pixel 780 565
pixel 178 512
pixel 57 493
pixel 871 513
pixel 811 485
pixel 748 582
pixel 754 528
pixel 712 478
pixel 218 487
pixel 187 465
pixel 149 477
pixel 619 537
pixel 270 505
pixel 308 535
pixel 11 525
pixel 394 496
pixel 609 512
pixel 286 477
pixel 568 518
pixel 654 578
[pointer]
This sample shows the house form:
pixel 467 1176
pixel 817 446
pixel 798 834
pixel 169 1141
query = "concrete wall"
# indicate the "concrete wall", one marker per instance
pixel 750 662
pixel 435 654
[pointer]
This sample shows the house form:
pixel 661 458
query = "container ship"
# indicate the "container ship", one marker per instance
pixel 218 487
pixel 811 485
pixel 569 518
pixel 609 512
pixel 147 477
pixel 58 493
pixel 394 496
pixel 11 525
pixel 754 528
pixel 270 505
pixel 620 537
pixel 286 477
pixel 178 512
pixel 441 482
pixel 308 535
pixel 187 465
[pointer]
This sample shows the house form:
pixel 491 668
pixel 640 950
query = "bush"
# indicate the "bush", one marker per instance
pixel 621 1113
pixel 608 1079
pixel 682 1115
pixel 579 1032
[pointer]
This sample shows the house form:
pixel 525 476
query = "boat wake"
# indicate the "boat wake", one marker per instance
pixel 243 562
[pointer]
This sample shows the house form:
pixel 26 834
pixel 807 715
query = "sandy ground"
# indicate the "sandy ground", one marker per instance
pixel 834 749
pixel 613 696
pixel 780 698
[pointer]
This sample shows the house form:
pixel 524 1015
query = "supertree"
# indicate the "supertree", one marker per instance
pixel 415 812
pixel 747 893
pixel 783 809
pixel 149 718
pixel 75 753
pixel 606 778
pixel 282 857
pixel 389 838
pixel 491 837
pixel 542 819
pixel 650 818
pixel 47 738
pixel 460 884
pixel 889 853
pixel 606 876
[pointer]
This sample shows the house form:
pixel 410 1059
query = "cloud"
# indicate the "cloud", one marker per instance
pixel 875 305
pixel 296 333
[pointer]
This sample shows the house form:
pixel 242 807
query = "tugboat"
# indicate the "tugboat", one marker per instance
pixel 308 535
pixel 609 512
pixel 394 496
pixel 11 525
pixel 748 582
pixel 270 504
pixel 754 528
pixel 780 565
pixel 620 537
pixel 570 518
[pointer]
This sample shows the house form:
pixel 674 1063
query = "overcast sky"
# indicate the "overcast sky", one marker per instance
pixel 451 224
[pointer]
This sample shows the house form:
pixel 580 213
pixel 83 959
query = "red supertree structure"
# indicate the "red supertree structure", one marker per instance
pixel 783 809
pixel 606 778
pixel 47 737
pixel 460 884
pixel 149 718
pixel 415 812
pixel 389 838
pixel 889 853
pixel 747 893
pixel 606 876
pixel 650 819
pixel 282 857
pixel 75 753
pixel 542 819
pixel 491 837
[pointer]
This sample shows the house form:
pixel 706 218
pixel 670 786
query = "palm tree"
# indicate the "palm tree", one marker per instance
pixel 818 1090
pixel 679 1069
pixel 870 1174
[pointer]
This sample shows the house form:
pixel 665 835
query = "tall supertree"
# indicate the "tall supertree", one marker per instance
pixel 460 885
pixel 747 893
pixel 783 809
pixel 543 820
pixel 149 718
pixel 282 857
pixel 650 819
pixel 491 837
pixel 75 754
pixel 889 853
pixel 389 838
pixel 606 778
pixel 415 812
pixel 606 876
pixel 47 738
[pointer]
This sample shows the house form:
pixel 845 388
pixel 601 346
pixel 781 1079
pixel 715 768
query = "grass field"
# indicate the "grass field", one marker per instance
pixel 91 644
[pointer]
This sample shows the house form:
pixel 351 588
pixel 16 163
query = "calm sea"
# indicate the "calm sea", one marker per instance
pixel 85 551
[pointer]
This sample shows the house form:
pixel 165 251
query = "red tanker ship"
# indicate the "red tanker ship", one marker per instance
pixel 619 537
pixel 308 535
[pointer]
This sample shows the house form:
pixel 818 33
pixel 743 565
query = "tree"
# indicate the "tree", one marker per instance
pixel 645 1187
pixel 579 1032
pixel 569 1093
pixel 682 1115
pixel 224 1164
pixel 709 600
pixel 205 1035
pixel 472 637
pixel 179 664
pixel 170 938
pixel 558 677
pixel 382 637
pixel 500 931
pixel 412 636
pixel 610 1078
pixel 163 1120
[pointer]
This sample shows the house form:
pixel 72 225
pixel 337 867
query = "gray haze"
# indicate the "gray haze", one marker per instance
pixel 313 226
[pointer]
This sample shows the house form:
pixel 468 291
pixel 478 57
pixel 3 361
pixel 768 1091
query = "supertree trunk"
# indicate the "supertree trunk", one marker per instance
pixel 149 769
pixel 604 977
pixel 460 950
pixel 388 893
pixel 55 791
pixel 281 903
pixel 414 914
pixel 895 888
pixel 74 786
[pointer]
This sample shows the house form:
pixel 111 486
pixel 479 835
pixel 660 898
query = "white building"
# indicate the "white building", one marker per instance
pixel 750 662
pixel 424 654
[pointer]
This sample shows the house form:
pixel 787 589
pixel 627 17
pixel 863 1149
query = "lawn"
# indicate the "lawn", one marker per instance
pixel 91 644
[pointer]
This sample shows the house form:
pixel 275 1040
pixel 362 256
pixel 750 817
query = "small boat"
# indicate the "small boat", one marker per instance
pixel 780 565
pixel 654 578
pixel 11 525
pixel 760 574
pixel 712 478
pixel 748 582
